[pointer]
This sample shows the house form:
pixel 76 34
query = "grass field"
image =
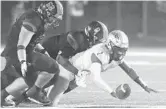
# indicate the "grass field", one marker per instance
pixel 150 64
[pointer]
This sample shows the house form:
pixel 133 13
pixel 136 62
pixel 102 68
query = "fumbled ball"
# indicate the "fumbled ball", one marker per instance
pixel 123 91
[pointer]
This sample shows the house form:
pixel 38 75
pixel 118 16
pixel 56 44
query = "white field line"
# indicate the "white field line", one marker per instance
pixel 148 82
pixel 96 91
pixel 110 105
pixel 146 63
pixel 151 54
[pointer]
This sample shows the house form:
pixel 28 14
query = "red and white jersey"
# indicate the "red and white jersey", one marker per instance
pixel 82 61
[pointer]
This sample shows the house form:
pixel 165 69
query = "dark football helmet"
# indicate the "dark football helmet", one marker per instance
pixel 52 12
pixel 97 32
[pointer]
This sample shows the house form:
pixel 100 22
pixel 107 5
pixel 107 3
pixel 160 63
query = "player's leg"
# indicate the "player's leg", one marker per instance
pixel 12 83
pixel 72 86
pixel 60 85
pixel 48 68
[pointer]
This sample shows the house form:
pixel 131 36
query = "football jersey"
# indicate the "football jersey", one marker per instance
pixel 59 44
pixel 32 21
pixel 82 61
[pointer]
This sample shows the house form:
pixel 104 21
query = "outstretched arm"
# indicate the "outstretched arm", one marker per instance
pixel 96 69
pixel 133 75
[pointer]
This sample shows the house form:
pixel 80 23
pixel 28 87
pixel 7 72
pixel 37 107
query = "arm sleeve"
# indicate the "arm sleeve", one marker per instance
pixel 102 56
pixel 32 23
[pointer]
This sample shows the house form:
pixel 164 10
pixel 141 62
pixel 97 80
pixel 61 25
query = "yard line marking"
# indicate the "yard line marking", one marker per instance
pixel 152 54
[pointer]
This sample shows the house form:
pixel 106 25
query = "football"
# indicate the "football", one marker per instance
pixel 123 91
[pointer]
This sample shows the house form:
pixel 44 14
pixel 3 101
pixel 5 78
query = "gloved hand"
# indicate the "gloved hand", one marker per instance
pixel 24 68
pixel 80 78
pixel 147 89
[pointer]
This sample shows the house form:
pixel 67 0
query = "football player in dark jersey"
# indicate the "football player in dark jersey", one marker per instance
pixel 62 47
pixel 25 35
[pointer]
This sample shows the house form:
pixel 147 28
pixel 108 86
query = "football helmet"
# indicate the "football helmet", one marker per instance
pixel 118 43
pixel 96 32
pixel 52 12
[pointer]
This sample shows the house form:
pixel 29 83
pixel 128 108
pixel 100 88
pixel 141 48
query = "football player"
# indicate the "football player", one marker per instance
pixel 25 35
pixel 101 57
pixel 62 47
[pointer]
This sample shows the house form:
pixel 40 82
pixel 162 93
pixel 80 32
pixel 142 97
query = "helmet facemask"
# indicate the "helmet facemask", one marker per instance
pixel 52 13
pixel 117 42
pixel 118 53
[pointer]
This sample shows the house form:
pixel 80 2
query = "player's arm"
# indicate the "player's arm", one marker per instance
pixel 26 33
pixel 133 75
pixel 66 64
pixel 41 49
pixel 63 58
pixel 96 69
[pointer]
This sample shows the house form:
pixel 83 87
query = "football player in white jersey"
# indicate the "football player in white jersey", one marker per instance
pixel 101 57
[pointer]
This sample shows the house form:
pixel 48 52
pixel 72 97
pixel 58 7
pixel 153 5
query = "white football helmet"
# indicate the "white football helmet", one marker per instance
pixel 119 39
pixel 118 43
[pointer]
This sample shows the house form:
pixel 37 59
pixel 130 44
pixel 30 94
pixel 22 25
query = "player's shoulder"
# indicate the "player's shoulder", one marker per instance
pixel 32 20
pixel 101 53
pixel 77 34
pixel 99 48
pixel 81 39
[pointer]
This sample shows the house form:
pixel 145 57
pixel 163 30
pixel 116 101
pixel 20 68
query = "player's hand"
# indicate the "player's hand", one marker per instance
pixel 113 94
pixel 24 68
pixel 80 78
pixel 149 90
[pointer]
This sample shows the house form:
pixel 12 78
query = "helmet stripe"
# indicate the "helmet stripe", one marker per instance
pixel 59 9
pixel 105 31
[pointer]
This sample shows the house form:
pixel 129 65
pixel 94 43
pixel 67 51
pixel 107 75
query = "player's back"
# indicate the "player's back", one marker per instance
pixel 83 59
pixel 60 44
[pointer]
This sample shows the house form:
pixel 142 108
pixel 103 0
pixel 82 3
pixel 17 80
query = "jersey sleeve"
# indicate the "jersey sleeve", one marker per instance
pixel 31 22
pixel 67 51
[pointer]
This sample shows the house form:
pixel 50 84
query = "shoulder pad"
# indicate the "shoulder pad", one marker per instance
pixel 32 21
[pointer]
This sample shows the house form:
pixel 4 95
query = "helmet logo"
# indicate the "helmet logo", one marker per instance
pixel 117 39
pixel 50 6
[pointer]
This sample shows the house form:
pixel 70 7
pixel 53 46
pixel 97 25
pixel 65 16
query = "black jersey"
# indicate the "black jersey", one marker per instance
pixel 60 44
pixel 32 21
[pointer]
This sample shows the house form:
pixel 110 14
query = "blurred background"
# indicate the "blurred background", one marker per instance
pixel 143 21
pixel 145 24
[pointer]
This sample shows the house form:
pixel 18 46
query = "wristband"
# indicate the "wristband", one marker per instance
pixel 140 82
pixel 22 61
pixel 19 47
